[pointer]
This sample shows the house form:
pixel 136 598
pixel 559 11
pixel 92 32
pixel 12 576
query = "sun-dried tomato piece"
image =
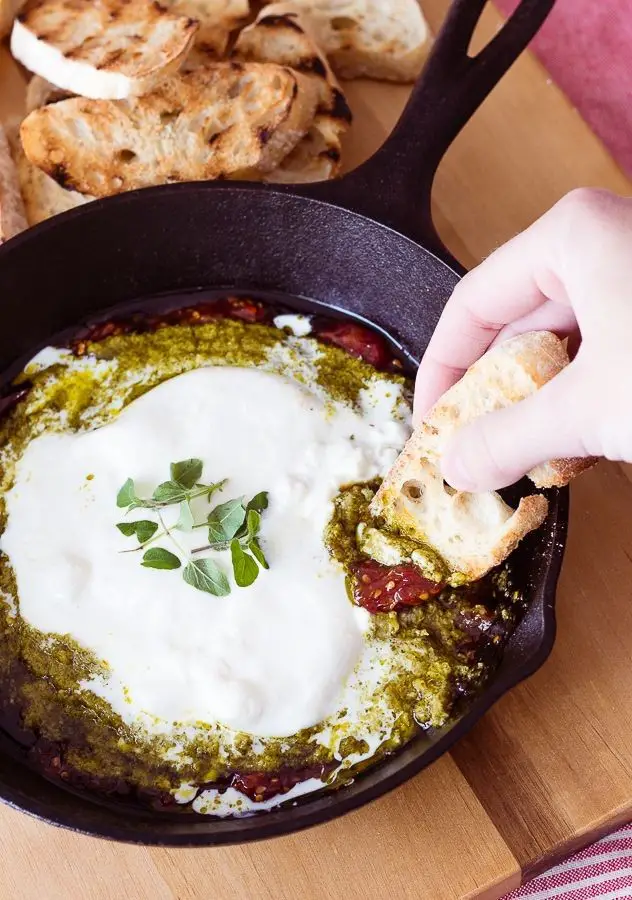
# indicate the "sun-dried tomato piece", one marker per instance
pixel 358 341
pixel 381 588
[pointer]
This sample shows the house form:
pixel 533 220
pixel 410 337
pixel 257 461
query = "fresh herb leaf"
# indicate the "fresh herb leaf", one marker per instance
pixel 143 529
pixel 127 494
pixel 252 524
pixel 253 521
pixel 205 575
pixel 127 528
pixel 157 558
pixel 245 569
pixel 169 492
pixel 187 472
pixel 259 502
pixel 255 548
pixel 185 521
pixel 250 528
pixel 225 520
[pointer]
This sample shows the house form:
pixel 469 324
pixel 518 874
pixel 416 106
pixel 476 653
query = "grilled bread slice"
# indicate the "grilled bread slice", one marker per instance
pixel 222 121
pixel 281 34
pixel 382 39
pixel 12 215
pixel 216 20
pixel 112 49
pixel 8 11
pixel 472 532
pixel 43 197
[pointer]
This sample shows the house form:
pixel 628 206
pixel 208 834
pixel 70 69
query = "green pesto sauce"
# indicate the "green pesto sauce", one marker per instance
pixel 342 381
pixel 41 673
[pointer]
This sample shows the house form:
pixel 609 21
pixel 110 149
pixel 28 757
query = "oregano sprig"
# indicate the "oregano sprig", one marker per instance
pixel 233 525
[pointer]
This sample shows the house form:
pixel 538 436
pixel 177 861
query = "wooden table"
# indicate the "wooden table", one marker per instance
pixel 550 767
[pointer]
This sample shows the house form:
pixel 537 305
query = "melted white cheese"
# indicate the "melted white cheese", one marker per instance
pixel 296 323
pixel 269 659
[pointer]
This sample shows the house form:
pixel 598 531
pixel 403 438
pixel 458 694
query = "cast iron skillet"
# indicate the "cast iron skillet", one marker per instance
pixel 365 244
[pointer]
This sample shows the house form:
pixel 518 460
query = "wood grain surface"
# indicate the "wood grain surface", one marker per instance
pixel 551 765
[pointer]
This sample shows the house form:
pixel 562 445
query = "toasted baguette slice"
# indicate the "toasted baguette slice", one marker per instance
pixel 8 11
pixel 281 34
pixel 472 532
pixel 216 20
pixel 40 92
pixel 111 49
pixel 12 214
pixel 43 197
pixel 383 39
pixel 222 121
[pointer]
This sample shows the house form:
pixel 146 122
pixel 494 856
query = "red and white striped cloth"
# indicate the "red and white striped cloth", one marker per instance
pixel 603 870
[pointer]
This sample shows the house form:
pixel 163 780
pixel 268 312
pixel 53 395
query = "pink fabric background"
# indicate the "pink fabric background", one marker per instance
pixel 586 45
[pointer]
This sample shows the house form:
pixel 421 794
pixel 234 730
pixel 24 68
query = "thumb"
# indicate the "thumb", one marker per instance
pixel 497 449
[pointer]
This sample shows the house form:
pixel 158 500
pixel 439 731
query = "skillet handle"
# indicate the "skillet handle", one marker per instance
pixel 394 186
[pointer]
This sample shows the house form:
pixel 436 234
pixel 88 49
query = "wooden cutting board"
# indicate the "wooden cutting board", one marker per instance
pixel 550 767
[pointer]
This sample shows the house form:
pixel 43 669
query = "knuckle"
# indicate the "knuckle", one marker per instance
pixel 589 209
pixel 587 224
pixel 585 202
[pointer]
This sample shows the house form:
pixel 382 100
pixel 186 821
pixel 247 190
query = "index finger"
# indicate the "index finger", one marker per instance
pixel 510 284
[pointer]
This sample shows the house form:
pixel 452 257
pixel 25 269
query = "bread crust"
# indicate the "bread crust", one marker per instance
pixel 560 472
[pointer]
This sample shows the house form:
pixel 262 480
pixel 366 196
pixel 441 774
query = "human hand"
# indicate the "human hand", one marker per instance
pixel 570 273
